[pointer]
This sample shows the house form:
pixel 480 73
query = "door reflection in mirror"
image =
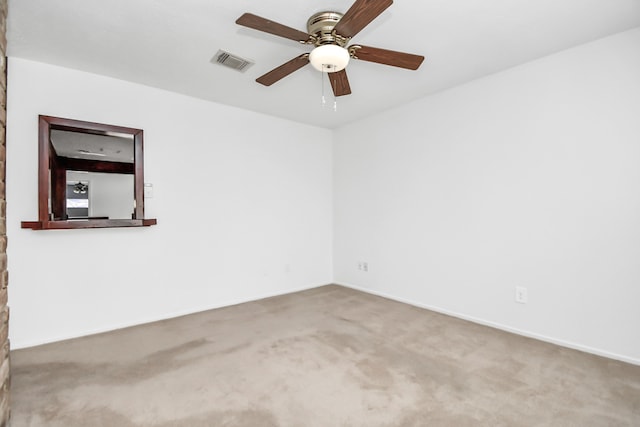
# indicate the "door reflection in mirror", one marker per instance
pixel 77 199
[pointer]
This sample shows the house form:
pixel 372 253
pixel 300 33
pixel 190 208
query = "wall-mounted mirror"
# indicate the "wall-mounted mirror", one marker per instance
pixel 90 175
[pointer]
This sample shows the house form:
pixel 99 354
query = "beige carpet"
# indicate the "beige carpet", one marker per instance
pixel 326 357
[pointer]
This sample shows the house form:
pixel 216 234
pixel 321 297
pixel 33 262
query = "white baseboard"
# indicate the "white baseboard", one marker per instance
pixel 500 326
pixel 26 344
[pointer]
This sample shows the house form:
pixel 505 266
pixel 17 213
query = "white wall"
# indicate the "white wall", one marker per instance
pixel 240 199
pixel 530 177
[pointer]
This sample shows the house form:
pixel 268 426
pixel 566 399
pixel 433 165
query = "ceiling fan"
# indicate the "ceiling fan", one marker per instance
pixel 330 32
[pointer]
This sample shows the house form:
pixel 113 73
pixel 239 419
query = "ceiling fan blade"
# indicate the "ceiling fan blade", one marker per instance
pixel 359 15
pixel 339 83
pixel 387 57
pixel 284 70
pixel 262 24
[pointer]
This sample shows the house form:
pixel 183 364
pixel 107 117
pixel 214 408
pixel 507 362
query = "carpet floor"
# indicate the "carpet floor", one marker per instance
pixel 329 356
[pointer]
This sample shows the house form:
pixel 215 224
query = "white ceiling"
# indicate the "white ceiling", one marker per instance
pixel 87 146
pixel 168 44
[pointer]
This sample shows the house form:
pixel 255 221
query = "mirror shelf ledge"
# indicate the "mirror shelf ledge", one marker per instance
pixel 100 223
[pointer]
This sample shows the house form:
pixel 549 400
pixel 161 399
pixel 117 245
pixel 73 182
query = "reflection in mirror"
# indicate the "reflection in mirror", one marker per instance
pixel 90 175
pixel 77 199
pixel 107 196
pixel 78 155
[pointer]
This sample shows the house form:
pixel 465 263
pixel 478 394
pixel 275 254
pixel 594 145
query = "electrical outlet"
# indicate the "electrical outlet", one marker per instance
pixel 521 295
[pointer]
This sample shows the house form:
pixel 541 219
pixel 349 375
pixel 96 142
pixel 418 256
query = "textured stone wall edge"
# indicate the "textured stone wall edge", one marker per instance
pixel 5 375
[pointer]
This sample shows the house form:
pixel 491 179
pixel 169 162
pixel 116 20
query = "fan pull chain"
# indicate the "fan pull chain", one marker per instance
pixel 324 101
pixel 323 97
pixel 335 98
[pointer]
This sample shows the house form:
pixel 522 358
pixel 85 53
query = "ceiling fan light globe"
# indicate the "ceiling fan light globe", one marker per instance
pixel 329 58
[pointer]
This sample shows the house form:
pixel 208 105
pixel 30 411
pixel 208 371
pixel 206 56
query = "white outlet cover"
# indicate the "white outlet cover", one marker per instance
pixel 521 295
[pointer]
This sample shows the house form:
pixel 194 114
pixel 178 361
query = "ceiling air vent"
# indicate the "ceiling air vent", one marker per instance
pixel 232 61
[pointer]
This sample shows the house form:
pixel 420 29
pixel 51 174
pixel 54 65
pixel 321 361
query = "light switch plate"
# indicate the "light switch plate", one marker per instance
pixel 148 190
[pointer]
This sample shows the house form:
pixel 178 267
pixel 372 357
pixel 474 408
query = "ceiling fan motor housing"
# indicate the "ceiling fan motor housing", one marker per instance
pixel 321 25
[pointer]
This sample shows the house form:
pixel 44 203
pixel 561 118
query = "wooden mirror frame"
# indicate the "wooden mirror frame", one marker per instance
pixel 45 222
